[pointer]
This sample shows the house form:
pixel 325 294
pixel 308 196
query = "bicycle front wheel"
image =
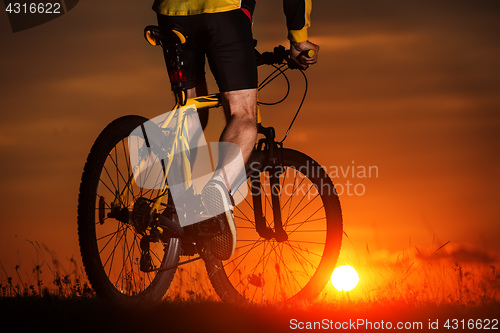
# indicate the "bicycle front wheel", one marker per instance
pixel 265 270
pixel 111 246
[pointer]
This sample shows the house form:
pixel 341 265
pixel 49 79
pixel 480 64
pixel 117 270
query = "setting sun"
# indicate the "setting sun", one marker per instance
pixel 344 278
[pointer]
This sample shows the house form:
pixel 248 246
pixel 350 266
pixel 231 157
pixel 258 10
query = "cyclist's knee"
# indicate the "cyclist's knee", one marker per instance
pixel 241 103
pixel 245 121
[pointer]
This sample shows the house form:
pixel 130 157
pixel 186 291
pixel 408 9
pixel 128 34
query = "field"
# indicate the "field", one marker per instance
pixel 91 315
pixel 412 293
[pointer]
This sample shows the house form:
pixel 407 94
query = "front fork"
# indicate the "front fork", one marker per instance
pixel 271 148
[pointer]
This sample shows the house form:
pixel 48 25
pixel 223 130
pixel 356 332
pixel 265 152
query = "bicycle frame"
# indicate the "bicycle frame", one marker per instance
pixel 181 133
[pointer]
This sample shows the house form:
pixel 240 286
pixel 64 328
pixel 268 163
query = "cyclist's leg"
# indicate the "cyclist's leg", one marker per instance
pixel 241 129
pixel 231 56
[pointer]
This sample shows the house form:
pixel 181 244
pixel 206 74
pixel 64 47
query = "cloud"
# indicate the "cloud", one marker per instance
pixel 460 253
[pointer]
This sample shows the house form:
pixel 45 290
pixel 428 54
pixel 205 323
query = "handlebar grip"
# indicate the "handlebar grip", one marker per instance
pixel 180 35
pixel 152 35
pixel 310 53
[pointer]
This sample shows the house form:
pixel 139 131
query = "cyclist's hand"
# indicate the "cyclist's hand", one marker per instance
pixel 298 53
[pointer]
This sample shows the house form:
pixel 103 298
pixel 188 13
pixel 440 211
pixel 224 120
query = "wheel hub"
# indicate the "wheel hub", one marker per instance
pixel 141 215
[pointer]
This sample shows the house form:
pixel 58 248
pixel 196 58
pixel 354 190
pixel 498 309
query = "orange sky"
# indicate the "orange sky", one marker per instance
pixel 409 88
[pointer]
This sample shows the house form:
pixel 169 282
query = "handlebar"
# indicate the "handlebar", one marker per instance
pixel 276 57
pixel 279 56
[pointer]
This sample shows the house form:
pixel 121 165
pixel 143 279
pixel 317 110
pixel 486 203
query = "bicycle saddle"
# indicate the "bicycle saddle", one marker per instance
pixel 154 36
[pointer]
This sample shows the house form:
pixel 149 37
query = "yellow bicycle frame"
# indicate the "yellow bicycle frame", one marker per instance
pixel 181 135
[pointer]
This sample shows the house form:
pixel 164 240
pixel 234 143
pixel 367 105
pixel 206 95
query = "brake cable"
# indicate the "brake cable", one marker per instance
pixel 268 79
pixel 300 107
pixel 273 75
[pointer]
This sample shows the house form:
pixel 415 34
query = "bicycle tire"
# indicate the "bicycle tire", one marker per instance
pixel 260 271
pixel 117 276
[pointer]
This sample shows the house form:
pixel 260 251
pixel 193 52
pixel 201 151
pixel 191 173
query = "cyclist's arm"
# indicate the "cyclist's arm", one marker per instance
pixel 298 20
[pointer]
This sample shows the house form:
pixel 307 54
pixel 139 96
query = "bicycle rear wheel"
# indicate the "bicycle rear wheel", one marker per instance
pixel 266 270
pixel 111 247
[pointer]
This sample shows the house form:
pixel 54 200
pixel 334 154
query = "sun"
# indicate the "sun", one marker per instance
pixel 344 278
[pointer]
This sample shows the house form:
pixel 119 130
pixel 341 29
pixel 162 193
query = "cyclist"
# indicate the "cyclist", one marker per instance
pixel 221 31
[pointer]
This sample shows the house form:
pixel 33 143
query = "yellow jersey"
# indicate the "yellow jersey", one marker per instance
pixel 297 12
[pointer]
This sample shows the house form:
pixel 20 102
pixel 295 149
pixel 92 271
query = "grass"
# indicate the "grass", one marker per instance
pixel 47 276
pixel 93 315
pixel 410 286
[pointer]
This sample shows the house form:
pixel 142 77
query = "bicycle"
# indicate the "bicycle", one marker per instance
pixel 289 224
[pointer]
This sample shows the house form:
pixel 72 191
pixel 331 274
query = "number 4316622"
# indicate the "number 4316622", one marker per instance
pixel 33 8
pixel 472 324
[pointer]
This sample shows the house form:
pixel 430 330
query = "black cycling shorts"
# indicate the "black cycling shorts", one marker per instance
pixel 227 42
